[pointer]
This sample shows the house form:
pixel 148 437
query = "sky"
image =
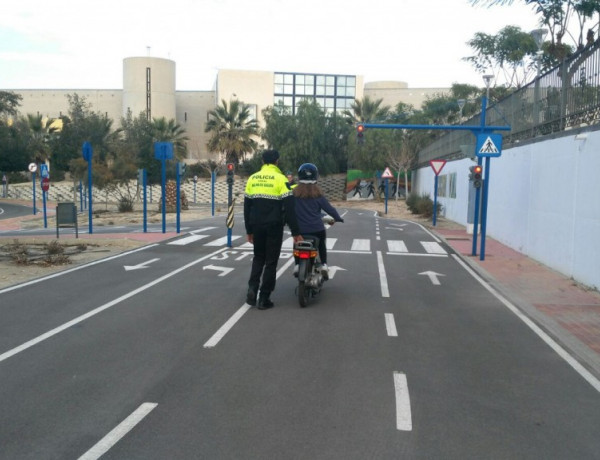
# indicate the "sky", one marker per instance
pixel 81 44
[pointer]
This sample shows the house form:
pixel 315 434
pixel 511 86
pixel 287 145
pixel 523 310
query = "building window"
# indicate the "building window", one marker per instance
pixel 334 93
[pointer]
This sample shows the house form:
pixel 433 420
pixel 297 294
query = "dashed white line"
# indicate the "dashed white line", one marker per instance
pixel 118 432
pixel 403 412
pixel 390 325
pixel 382 276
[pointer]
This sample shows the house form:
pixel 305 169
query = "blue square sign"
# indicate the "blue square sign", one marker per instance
pixel 163 150
pixel 489 145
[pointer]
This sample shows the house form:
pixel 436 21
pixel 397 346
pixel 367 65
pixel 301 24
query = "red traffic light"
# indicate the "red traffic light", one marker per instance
pixel 360 128
pixel 477 169
pixel 229 166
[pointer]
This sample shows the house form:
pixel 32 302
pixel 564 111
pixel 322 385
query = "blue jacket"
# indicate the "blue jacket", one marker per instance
pixel 308 213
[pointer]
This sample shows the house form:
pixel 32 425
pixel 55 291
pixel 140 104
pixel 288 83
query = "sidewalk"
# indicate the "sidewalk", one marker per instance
pixel 565 310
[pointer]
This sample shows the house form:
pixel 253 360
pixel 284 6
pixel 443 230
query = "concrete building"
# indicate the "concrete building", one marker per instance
pixel 149 88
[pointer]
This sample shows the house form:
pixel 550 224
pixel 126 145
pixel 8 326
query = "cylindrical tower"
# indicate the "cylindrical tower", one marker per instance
pixel 149 87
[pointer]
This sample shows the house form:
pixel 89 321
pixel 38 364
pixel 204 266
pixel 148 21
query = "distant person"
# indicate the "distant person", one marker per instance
pixel 268 203
pixel 290 178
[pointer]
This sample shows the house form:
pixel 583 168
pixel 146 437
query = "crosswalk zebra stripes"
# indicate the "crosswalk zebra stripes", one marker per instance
pixel 357 245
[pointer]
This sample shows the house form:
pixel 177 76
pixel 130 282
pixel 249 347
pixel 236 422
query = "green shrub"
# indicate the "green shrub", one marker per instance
pixel 125 204
pixel 424 206
pixel 411 203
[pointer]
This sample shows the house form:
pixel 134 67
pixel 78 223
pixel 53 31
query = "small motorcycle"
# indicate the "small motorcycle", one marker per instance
pixel 310 278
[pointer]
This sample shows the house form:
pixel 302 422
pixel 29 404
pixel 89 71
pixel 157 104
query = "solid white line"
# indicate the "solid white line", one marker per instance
pixel 79 267
pixel 382 277
pixel 118 432
pixel 225 328
pixel 419 254
pixel 591 379
pixel 403 412
pixel 390 325
pixel 100 309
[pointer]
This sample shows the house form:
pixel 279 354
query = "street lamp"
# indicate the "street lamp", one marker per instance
pixel 461 105
pixel 538 36
pixel 487 79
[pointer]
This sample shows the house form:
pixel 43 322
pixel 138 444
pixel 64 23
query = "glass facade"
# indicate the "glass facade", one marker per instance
pixel 334 93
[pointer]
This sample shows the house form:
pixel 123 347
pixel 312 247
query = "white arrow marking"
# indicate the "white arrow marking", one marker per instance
pixel 433 276
pixel 224 270
pixel 333 270
pixel 394 228
pixel 139 266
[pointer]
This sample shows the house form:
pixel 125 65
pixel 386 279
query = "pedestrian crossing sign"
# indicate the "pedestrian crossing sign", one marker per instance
pixel 489 145
pixel 387 174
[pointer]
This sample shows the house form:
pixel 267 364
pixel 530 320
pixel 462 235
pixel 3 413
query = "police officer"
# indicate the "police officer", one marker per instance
pixel 268 205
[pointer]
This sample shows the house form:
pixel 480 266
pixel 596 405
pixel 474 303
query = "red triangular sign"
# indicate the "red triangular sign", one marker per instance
pixel 437 165
pixel 387 174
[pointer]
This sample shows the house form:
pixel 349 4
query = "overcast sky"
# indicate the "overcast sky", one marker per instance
pixel 81 44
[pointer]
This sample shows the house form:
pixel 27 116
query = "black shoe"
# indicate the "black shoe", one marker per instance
pixel 251 297
pixel 264 303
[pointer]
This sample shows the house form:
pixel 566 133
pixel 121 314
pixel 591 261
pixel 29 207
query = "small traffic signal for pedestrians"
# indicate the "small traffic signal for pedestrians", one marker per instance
pixel 230 172
pixel 360 134
pixel 477 180
pixel 181 169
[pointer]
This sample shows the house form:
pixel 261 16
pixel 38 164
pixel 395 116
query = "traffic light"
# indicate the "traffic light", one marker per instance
pixel 360 134
pixel 230 172
pixel 477 180
pixel 181 169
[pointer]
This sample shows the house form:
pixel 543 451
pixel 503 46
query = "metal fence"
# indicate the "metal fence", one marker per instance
pixel 565 97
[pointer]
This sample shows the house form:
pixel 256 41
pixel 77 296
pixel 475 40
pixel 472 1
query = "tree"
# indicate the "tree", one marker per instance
pixel 309 136
pixel 9 103
pixel 232 131
pixel 511 53
pixel 40 132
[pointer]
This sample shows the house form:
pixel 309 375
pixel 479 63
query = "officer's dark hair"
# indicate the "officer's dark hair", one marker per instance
pixel 270 156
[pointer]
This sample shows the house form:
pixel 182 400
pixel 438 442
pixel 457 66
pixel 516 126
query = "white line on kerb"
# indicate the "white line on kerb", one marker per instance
pixel 100 309
pixel 118 432
pixel 390 325
pixel 382 277
pixel 403 413
pixel 593 381
pixel 225 328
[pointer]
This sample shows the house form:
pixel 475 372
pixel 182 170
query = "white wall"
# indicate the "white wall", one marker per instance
pixel 544 201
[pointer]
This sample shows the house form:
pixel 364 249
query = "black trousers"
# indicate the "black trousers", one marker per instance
pixel 267 248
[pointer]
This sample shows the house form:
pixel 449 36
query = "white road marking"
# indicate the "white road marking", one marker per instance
pixel 390 325
pixel 361 245
pixel 330 243
pixel 118 432
pixel 64 272
pixel 100 309
pixel 223 240
pixel 288 243
pixel 433 247
pixel 225 328
pixel 382 276
pixel 560 351
pixel 187 240
pixel 396 246
pixel 403 412
pixel 200 230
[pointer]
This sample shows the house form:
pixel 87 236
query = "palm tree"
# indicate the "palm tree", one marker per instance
pixel 170 131
pixel 366 110
pixel 40 130
pixel 232 129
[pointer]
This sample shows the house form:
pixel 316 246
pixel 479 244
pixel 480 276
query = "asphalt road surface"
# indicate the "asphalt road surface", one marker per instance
pixel 8 210
pixel 406 353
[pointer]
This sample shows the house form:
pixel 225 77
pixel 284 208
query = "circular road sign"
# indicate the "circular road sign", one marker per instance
pixel 32 167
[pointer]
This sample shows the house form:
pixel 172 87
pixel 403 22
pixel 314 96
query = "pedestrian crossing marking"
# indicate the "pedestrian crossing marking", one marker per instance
pixel 188 240
pixel 397 246
pixel 222 241
pixel 431 247
pixel 358 245
pixel 361 245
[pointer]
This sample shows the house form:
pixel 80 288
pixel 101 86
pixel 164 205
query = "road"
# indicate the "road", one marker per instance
pixel 406 353
pixel 9 210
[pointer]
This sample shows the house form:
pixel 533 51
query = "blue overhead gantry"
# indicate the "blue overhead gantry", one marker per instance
pixel 487 145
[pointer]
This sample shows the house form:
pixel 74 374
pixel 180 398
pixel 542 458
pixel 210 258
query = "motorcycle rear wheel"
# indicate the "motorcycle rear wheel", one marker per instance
pixel 303 294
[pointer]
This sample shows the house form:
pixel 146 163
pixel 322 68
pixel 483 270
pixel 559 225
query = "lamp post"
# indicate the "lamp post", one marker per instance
pixel 538 36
